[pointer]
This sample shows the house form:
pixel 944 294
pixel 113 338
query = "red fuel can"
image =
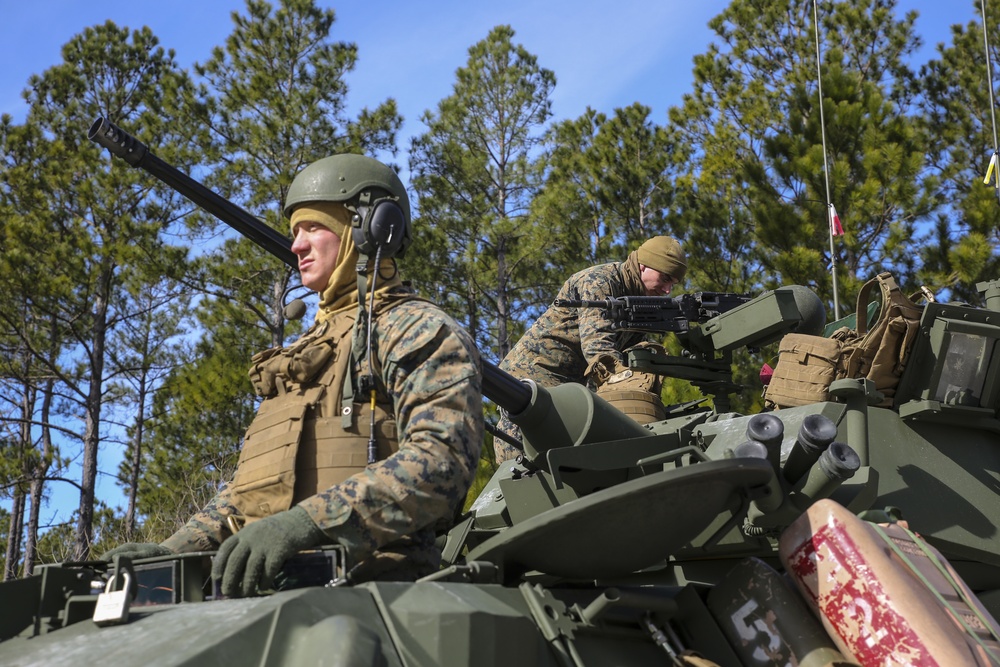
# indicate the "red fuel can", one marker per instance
pixel 884 595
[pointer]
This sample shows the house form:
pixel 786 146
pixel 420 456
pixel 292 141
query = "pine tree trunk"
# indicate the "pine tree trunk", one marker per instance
pixel 503 302
pixel 92 430
pixel 133 478
pixel 13 554
pixel 31 536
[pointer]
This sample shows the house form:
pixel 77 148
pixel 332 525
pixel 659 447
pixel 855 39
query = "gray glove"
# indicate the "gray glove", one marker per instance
pixel 252 558
pixel 136 550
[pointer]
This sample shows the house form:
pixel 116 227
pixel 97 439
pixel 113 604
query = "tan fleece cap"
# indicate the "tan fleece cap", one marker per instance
pixel 332 215
pixel 664 254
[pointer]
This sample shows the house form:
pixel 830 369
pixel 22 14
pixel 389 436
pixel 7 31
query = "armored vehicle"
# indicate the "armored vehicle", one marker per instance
pixel 608 541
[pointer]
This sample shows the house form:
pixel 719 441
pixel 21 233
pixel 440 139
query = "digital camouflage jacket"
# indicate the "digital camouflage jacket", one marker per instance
pixel 562 344
pixel 428 370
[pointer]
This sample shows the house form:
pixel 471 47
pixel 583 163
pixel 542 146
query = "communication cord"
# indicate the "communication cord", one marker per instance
pixel 372 444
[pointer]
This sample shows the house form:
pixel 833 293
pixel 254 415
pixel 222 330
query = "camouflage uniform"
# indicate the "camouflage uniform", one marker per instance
pixel 570 344
pixel 428 375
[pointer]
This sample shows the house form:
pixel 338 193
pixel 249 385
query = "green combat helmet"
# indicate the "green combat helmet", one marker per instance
pixel 370 189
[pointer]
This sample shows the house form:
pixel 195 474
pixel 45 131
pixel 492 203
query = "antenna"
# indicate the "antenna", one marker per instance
pixel 830 211
pixel 993 114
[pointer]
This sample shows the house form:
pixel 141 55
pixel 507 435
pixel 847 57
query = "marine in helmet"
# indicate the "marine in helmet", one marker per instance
pixel 577 344
pixel 371 423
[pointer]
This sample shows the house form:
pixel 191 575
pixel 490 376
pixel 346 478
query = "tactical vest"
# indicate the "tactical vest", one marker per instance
pixel 309 433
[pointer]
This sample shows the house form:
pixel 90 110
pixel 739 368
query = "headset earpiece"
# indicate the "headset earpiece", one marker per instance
pixel 381 225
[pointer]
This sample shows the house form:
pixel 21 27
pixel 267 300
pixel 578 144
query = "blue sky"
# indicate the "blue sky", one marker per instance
pixel 605 55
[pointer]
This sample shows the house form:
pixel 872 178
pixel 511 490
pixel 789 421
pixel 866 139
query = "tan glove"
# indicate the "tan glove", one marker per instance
pixel 601 368
pixel 623 378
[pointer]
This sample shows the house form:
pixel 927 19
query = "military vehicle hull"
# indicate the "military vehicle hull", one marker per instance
pixel 437 623
pixel 618 575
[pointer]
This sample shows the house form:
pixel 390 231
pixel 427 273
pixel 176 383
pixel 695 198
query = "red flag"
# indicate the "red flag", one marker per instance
pixel 835 228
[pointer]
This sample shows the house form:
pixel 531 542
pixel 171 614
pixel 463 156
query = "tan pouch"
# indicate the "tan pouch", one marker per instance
pixel 644 407
pixel 329 454
pixel 265 475
pixel 880 353
pixel 806 367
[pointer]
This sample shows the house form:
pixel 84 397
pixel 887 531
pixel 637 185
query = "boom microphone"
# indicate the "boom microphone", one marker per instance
pixel 295 309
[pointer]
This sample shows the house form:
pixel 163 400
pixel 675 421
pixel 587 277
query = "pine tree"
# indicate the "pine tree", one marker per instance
pixel 476 172
pixel 758 181
pixel 145 350
pixel 607 189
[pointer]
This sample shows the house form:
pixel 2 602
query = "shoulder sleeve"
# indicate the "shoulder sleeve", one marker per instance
pixel 596 336
pixel 207 529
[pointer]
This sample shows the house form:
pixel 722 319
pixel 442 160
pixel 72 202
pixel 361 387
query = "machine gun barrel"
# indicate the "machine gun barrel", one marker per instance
pixel 500 387
pixel 137 154
pixel 606 304
pixel 504 389
pixel 660 313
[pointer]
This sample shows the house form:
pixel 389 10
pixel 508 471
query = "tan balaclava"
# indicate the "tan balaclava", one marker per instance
pixel 341 293
pixel 664 254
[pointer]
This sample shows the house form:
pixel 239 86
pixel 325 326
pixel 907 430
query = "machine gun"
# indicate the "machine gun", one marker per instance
pixel 660 313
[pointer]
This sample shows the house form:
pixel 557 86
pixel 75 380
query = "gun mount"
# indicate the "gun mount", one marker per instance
pixel 727 321
pixel 611 542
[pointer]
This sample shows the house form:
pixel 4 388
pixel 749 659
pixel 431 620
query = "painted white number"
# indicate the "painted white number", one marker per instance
pixel 750 631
